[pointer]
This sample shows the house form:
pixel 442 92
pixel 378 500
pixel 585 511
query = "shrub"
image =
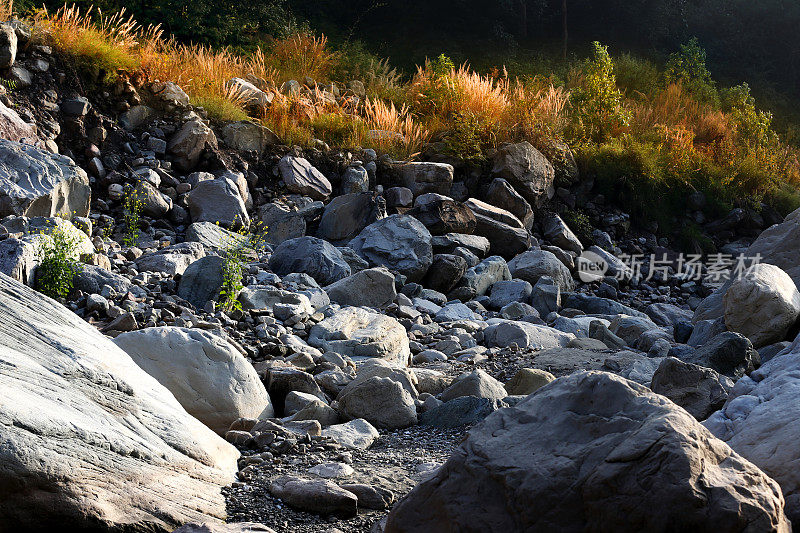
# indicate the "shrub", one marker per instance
pixel 339 129
pixel 131 210
pixel 303 55
pixel 688 67
pixel 235 253
pixel 56 253
pixel 599 113
pixel 637 76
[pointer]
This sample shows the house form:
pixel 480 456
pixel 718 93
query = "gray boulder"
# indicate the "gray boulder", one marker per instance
pixel 247 136
pixel 423 178
pixel 218 200
pixel 575 456
pixel 527 170
pixel 556 231
pixel 382 402
pixel 302 177
pixel 533 264
pixel 189 142
pixel 699 390
pixel 202 281
pixel 38 183
pixel 501 194
pixel 399 242
pixel 310 255
pixel 171 260
pixel 373 287
pixel 346 215
pixel 728 353
pixel 281 222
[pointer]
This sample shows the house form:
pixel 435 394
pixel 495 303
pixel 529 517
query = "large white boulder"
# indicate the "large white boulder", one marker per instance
pixel 761 422
pixel 207 375
pixel 87 438
pixel 762 305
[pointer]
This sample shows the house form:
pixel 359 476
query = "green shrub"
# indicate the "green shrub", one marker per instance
pixel 636 76
pixel 467 137
pixel 235 253
pixel 688 67
pixel 597 102
pixel 131 210
pixel 338 129
pixel 56 253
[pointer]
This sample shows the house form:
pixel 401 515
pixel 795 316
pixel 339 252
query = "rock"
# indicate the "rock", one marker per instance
pixel 373 287
pixel 13 128
pixel 595 305
pixel 728 353
pixel 188 144
pixel 310 255
pixel 476 383
pixel 478 279
pixel 445 272
pixel 302 177
pixel 527 170
pixel 89 439
pixel 171 93
pixel 370 496
pixel 546 296
pixel 527 381
pixel 281 381
pixel 218 201
pixel 76 107
pixel 447 244
pixel 399 242
pixel 347 215
pixel 332 470
pixel 247 136
pixel 423 178
pixel 136 117
pixel 314 496
pixel 705 330
pixel 533 264
pixel 762 305
pixel 171 260
pixel 154 203
pixel 282 223
pixel 8 46
pixel 454 312
pixel 91 279
pixel 208 376
pixel 38 183
pixel 556 231
pixel 506 292
pixel 361 334
pixel 355 180
pixel 667 314
pixel 19 259
pixel 445 216
pixel 525 335
pixel 381 401
pixel 461 411
pixel 505 232
pixel 213 237
pixel 254 98
pixel 760 422
pixel 701 391
pixel 501 194
pixel 357 434
pixel 604 438
pixel 202 281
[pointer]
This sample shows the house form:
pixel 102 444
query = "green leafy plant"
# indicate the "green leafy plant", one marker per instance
pixel 238 246
pixel 132 209
pixel 599 113
pixel 688 67
pixel 56 253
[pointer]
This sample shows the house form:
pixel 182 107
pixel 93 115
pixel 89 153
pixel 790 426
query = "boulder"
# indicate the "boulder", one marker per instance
pixel 356 434
pixel 373 287
pixel 154 203
pixel 34 182
pixel 445 216
pixel 382 402
pixel 459 412
pixel 762 305
pixel 699 390
pixel 592 452
pixel 208 376
pixel 557 232
pixel 310 255
pixel 355 180
pixel 248 136
pixel 665 314
pixel 533 264
pixel 527 381
pixel 728 353
pixel 89 439
pixel 302 177
pixel 201 281
pixel 506 292
pixel 315 496
pixel 595 305
pixel 527 170
pixel 19 259
pixel 361 334
pixel 525 335
pixel 347 215
pixel 501 194
pixel 218 201
pixel 281 223
pixel 476 383
pixel 447 244
pixel 13 128
pixel 399 242
pixel 480 278
pixel 8 46
pixel 188 143
pixel 171 260
pixel 278 300
pixel 213 237
pixel 445 272
pixel 253 98
pixel 761 421
pixel 423 178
